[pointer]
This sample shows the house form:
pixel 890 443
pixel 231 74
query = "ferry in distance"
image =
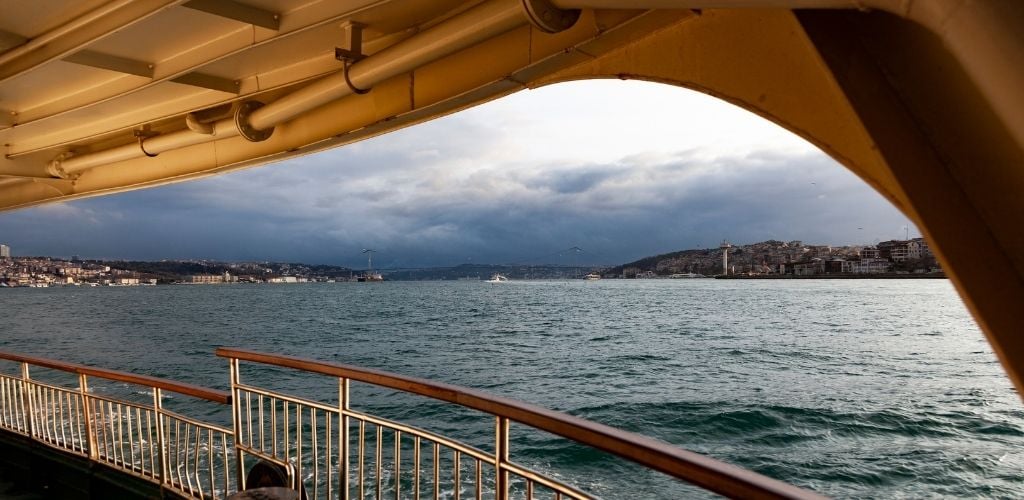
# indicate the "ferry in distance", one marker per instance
pixel 498 278
pixel 370 275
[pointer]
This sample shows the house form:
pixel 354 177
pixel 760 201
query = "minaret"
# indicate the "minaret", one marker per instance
pixel 725 246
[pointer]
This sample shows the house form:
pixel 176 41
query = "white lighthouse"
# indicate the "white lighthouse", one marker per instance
pixel 725 246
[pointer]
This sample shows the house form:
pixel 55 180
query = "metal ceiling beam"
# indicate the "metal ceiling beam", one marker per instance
pixel 173 67
pixel 208 82
pixel 238 12
pixel 469 28
pixel 112 63
pixel 77 34
pixel 8 118
pixel 10 40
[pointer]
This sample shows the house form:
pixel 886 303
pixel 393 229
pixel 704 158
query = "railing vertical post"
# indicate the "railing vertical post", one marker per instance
pixel 343 406
pixel 501 455
pixel 161 439
pixel 28 402
pixel 236 422
pixel 90 419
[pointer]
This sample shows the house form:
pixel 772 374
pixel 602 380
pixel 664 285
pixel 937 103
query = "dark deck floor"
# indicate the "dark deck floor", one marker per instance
pixel 9 491
pixel 30 470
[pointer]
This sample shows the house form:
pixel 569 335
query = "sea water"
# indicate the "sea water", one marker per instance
pixel 857 389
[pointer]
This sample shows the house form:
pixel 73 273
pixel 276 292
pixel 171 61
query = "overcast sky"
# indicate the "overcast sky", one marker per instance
pixel 620 169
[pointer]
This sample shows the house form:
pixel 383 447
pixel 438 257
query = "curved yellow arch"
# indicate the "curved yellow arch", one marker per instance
pixel 910 123
pixel 893 101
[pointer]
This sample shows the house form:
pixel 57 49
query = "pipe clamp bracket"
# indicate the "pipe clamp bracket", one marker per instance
pixel 142 134
pixel 251 133
pixel 351 87
pixel 548 18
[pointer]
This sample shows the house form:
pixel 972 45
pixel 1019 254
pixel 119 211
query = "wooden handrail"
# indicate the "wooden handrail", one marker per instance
pixel 699 470
pixel 195 391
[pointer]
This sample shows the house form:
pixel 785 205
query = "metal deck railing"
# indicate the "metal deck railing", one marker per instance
pixel 143 439
pixel 325 449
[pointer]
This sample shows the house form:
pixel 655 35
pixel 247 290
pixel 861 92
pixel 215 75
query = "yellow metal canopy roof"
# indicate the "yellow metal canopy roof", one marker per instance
pixel 922 99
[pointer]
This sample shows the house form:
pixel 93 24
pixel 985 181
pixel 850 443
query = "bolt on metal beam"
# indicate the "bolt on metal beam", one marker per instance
pixel 110 62
pixel 237 11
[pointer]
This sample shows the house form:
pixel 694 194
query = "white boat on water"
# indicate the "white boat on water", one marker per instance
pixel 686 276
pixel 592 276
pixel 498 278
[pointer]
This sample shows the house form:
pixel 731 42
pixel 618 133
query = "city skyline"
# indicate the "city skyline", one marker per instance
pixel 557 258
pixel 622 178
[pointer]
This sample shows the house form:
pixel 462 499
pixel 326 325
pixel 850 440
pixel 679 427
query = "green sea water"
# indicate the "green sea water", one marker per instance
pixel 855 389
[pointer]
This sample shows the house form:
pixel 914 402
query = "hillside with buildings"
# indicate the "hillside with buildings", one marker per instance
pixel 794 258
pixel 767 259
pixel 50 271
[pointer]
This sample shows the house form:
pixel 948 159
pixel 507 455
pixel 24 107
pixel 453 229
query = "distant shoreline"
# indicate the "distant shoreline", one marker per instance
pixel 863 276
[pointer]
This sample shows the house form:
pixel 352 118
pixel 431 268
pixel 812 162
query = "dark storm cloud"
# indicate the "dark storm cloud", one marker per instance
pixel 419 207
pixel 504 182
pixel 582 179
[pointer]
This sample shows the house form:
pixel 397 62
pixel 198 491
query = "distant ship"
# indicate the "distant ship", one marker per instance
pixel 592 276
pixel 370 274
pixel 498 278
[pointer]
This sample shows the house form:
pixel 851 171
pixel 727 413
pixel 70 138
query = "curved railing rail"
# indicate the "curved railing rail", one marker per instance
pixel 146 440
pixel 329 450
pixel 696 469
pixel 214 395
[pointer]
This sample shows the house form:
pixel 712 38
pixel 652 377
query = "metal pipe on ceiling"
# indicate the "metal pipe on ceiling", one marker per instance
pixel 993 57
pixel 484 21
pixel 476 25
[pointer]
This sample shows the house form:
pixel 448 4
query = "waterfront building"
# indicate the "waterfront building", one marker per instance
pixel 206 278
pixel 838 265
pixel 823 251
pixel 815 266
pixel 917 248
pixel 894 250
pixel 868 266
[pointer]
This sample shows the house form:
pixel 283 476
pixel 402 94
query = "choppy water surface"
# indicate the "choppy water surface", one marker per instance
pixel 871 388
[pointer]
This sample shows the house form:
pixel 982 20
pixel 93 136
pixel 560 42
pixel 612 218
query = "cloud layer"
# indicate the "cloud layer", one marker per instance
pixel 499 184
